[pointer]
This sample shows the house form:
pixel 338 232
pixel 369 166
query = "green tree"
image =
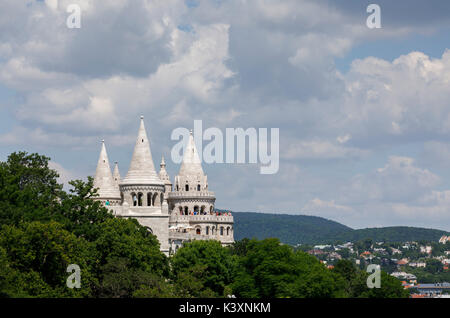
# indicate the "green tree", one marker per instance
pixel 120 280
pixel 29 190
pixel 345 268
pixel 80 213
pixel 38 255
pixel 44 229
pixel 191 282
pixel 126 238
pixel 270 269
pixel 434 266
pixel 208 263
pixel 390 287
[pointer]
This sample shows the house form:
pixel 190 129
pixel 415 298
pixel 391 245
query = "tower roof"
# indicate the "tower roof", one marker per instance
pixel 116 173
pixel 163 175
pixel 191 164
pixel 142 169
pixel 103 180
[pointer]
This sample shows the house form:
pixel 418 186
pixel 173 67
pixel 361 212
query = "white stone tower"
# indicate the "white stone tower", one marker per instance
pixel 191 205
pixel 164 176
pixel 108 190
pixel 142 187
pixel 116 174
pixel 143 192
pixel 190 193
pixel 150 199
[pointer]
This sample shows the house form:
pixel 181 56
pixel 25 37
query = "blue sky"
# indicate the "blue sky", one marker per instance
pixel 363 113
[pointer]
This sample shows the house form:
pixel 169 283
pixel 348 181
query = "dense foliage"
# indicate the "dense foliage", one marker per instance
pixel 303 229
pixel 356 283
pixel 269 269
pixel 44 229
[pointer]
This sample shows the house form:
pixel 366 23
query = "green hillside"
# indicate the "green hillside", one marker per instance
pixel 294 229
pixel 393 234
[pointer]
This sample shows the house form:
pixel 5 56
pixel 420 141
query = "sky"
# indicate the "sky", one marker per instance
pixel 363 114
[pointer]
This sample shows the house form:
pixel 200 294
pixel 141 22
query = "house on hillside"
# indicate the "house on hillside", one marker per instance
pixel 444 239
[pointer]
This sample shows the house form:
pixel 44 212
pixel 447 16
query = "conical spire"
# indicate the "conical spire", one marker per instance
pixel 142 170
pixel 103 178
pixel 116 173
pixel 163 175
pixel 191 164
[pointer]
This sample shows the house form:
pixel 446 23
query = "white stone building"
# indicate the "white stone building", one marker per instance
pixel 175 215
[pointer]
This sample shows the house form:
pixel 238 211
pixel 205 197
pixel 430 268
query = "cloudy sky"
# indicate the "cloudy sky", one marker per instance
pixel 364 114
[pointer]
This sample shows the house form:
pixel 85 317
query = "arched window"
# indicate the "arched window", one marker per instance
pixel 221 230
pixel 154 198
pixel 140 195
pixel 196 208
pixel 207 230
pixel 198 187
pixel 134 199
pixel 187 187
pixel 228 231
pixel 181 210
pixel 198 231
pixel 149 199
pixel 186 210
pixel 202 209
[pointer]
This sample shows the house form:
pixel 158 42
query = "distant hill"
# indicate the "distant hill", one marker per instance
pixel 393 234
pixel 294 229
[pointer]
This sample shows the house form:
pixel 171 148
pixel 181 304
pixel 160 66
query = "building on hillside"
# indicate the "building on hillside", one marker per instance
pixel 444 239
pixel 433 289
pixel 426 249
pixel 418 264
pixel 403 261
pixel 176 214
pixel 395 251
pixel 404 275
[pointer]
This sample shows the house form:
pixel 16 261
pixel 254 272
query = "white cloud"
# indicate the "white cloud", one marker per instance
pixel 328 209
pixel 399 193
pixel 398 181
pixel 406 98
pixel 319 149
pixel 64 174
pixel 236 64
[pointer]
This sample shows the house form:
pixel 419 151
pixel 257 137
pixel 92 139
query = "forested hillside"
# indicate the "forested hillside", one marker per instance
pixel 294 229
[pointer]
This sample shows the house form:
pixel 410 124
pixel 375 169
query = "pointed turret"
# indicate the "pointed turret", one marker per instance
pixel 191 165
pixel 116 173
pixel 142 169
pixel 163 175
pixel 107 189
